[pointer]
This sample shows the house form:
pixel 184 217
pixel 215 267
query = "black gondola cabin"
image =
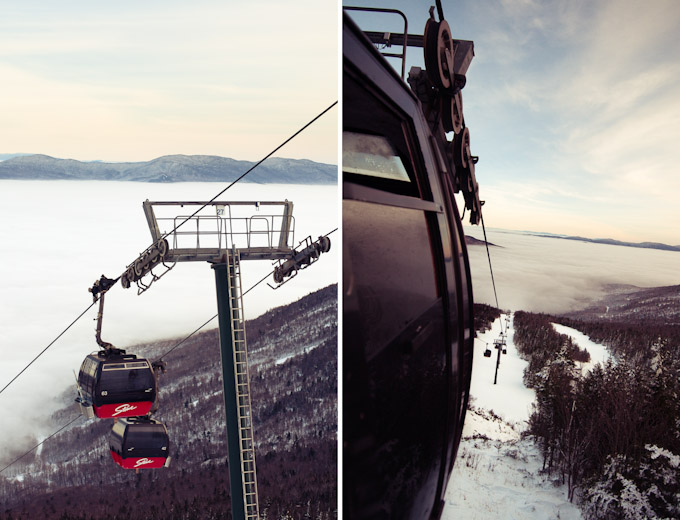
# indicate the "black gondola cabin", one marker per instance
pixel 407 288
pixel 139 443
pixel 117 385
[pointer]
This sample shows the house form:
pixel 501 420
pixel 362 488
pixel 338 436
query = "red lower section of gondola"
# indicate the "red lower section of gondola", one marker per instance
pixel 115 410
pixel 138 462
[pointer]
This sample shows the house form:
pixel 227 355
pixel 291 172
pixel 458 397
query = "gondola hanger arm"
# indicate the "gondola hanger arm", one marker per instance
pixel 98 290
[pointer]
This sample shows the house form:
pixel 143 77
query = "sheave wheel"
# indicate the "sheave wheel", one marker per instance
pixel 438 48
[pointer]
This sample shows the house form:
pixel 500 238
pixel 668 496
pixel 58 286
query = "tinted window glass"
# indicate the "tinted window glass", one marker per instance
pixel 375 150
pixel 116 437
pixel 371 155
pixel 86 376
pixel 143 437
pixel 137 364
pixel 122 381
pixel 392 268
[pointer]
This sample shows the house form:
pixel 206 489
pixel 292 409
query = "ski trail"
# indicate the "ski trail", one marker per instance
pixel 498 475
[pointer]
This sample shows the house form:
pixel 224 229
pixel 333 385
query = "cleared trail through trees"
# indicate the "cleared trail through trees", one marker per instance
pixel 598 352
pixel 498 475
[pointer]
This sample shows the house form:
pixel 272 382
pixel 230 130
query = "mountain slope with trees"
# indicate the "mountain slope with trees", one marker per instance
pixel 613 434
pixel 293 358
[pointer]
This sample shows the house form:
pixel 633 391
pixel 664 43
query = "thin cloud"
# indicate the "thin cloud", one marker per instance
pixel 109 83
pixel 587 113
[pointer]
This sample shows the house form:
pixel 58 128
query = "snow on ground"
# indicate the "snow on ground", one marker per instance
pixel 497 474
pixel 502 479
pixel 299 352
pixel 509 398
pixel 598 353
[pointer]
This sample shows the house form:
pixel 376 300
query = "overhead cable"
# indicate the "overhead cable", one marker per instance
pixel 48 346
pixel 215 316
pixel 299 131
pixel 493 281
pixel 258 163
pixel 165 354
pixel 41 442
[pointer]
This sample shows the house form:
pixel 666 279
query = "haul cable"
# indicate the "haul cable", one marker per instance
pixel 41 443
pixel 165 354
pixel 215 316
pixel 48 346
pixel 493 281
pixel 299 131
pixel 249 170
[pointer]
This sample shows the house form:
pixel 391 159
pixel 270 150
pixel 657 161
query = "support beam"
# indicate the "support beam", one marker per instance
pixel 229 381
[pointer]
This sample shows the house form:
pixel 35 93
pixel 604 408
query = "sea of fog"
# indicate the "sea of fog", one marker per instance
pixel 58 237
pixel 554 275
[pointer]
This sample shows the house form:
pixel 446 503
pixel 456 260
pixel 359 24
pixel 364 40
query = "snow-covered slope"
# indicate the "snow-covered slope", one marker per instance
pixel 598 353
pixel 498 474
pixel 509 398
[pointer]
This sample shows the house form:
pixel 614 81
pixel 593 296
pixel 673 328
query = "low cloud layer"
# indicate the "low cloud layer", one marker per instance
pixel 59 237
pixel 554 275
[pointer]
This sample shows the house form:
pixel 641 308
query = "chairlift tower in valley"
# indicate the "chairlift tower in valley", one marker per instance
pixel 224 234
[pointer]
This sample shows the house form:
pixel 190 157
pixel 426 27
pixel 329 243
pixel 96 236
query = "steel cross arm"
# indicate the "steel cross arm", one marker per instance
pixel 390 38
pixel 153 223
pixel 216 255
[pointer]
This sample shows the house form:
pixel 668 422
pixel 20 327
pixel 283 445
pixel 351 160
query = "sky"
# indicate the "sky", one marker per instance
pixel 132 81
pixel 574 110
pixel 573 107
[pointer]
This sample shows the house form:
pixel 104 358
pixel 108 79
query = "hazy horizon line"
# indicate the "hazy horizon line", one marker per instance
pixel 594 240
pixel 8 156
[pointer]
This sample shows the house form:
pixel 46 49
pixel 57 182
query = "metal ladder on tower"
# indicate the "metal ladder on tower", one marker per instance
pixel 245 426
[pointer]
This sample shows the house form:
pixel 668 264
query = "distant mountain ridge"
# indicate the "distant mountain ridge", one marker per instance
pixel 612 242
pixel 472 241
pixel 650 306
pixel 171 168
pixel 5 156
pixel 606 241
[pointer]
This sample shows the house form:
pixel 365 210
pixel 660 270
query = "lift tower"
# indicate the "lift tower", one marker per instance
pixel 224 234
